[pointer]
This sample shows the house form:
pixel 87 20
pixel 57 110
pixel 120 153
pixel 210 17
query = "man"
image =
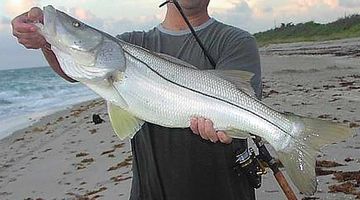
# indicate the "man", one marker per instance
pixel 180 164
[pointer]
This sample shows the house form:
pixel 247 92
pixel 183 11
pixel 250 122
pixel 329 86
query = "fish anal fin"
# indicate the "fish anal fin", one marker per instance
pixel 123 123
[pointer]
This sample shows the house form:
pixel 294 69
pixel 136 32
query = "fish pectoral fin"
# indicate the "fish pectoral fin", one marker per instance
pixel 107 91
pixel 124 124
pixel 240 79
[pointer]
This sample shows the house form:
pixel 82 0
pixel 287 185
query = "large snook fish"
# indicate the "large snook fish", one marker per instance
pixel 140 85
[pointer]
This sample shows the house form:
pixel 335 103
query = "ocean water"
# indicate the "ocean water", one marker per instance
pixel 34 92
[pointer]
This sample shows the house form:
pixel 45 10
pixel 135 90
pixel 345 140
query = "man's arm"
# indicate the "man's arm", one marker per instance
pixel 24 29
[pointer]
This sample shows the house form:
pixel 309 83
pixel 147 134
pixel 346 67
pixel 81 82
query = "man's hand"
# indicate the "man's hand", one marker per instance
pixel 205 128
pixel 25 30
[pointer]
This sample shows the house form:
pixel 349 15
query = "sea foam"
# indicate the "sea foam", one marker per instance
pixel 29 92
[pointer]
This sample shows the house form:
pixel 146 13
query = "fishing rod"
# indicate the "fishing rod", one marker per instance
pixel 247 160
pixel 265 156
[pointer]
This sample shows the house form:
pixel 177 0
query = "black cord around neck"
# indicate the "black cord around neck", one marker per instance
pixel 177 5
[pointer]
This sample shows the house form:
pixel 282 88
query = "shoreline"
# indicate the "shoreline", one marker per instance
pixel 19 122
pixel 65 156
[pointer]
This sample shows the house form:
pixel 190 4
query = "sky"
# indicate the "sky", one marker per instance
pixel 118 16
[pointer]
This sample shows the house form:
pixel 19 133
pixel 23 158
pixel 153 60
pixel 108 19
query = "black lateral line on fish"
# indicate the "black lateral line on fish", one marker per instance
pixel 217 98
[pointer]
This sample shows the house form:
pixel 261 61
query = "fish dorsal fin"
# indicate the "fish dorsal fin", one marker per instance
pixel 240 79
pixel 176 60
pixel 124 124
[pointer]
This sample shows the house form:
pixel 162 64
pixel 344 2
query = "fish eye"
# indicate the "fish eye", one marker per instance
pixel 76 24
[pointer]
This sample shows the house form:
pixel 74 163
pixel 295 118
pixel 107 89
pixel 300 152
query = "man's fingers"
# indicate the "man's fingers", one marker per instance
pixel 24 27
pixel 19 19
pixel 223 137
pixel 35 14
pixel 27 36
pixel 201 128
pixel 36 37
pixel 210 131
pixel 194 126
pixel 205 128
pixel 35 43
pixel 27 43
pixel 25 23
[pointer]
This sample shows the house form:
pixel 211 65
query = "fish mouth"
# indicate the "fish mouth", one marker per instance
pixel 49 29
pixel 60 29
pixel 48 10
pixel 50 14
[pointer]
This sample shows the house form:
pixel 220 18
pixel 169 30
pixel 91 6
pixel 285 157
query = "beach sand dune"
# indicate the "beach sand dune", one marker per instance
pixel 66 156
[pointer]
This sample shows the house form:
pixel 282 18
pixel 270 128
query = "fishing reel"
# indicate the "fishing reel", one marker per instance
pixel 248 164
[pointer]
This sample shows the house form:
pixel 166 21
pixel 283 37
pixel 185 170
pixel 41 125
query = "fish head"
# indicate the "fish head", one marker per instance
pixel 84 53
pixel 70 32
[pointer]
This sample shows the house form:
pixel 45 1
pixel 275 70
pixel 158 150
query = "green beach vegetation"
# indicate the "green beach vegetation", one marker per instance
pixel 346 27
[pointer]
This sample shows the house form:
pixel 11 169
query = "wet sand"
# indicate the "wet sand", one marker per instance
pixel 66 156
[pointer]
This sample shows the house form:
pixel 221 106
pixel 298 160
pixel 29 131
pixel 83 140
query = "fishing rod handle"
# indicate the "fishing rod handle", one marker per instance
pixel 265 155
pixel 289 193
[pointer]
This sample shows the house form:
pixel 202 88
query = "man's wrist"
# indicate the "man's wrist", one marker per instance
pixel 53 62
pixel 46 48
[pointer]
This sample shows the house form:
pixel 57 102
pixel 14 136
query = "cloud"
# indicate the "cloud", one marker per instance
pixel 4 24
pixel 267 9
pixel 116 17
pixel 118 26
pixel 14 55
pixel 239 12
pixel 113 25
pixel 260 15
pixel 304 7
pixel 243 8
pixel 349 3
pixel 307 4
pixel 248 15
pixel 16 7
pixel 83 14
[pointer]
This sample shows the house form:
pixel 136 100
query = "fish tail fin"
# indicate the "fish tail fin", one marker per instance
pixel 309 135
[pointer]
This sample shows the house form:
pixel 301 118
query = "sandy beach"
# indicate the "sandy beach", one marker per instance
pixel 66 156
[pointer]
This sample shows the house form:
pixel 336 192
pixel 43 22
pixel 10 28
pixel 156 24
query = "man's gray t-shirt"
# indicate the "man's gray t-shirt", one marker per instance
pixel 175 164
